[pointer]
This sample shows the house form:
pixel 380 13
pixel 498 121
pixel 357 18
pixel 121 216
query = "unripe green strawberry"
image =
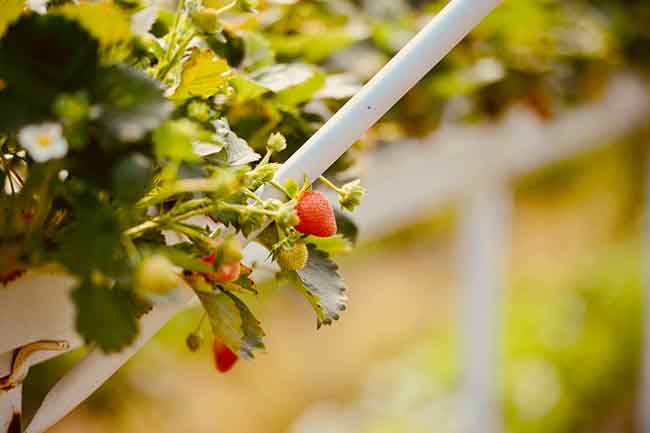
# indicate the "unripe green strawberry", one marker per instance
pixel 231 251
pixel 156 275
pixel 294 258
pixel 199 110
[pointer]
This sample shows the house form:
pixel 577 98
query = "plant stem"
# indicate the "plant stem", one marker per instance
pixel 177 56
pixel 136 231
pixel 173 221
pixel 331 185
pixel 199 211
pixel 191 232
pixel 280 188
pixel 242 208
pixel 266 158
pixel 250 194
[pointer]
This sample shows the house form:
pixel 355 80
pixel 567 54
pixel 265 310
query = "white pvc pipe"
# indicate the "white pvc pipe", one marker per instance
pixel 51 318
pixel 483 239
pixel 408 67
pixel 403 72
pixel 96 367
pixel 9 400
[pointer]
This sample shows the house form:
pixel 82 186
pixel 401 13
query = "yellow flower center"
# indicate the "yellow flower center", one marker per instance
pixel 43 140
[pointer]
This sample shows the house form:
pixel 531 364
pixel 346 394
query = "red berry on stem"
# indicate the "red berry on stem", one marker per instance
pixel 226 273
pixel 209 259
pixel 316 215
pixel 224 358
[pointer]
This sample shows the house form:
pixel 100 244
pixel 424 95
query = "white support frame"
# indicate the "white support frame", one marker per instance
pixel 10 400
pixel 483 243
pixel 417 58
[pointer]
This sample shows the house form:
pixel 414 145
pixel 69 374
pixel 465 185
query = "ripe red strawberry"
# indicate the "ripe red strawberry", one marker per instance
pixel 209 259
pixel 226 273
pixel 224 358
pixel 316 215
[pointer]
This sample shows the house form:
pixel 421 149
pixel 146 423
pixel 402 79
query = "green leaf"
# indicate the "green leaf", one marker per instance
pixel 340 86
pixel 292 188
pixel 185 260
pixel 132 104
pixel 232 322
pixel 104 20
pixel 292 83
pixel 92 242
pixel 173 139
pixel 238 150
pixel 9 11
pixel 106 317
pixel 322 285
pixel 332 245
pixel 246 88
pixel 312 47
pixel 132 177
pixel 225 318
pixel 253 334
pixel 346 226
pixel 257 51
pixel 204 74
pixel 37 63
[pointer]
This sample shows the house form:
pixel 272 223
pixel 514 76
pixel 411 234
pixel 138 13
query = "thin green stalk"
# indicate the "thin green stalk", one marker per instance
pixel 280 188
pixel 136 231
pixel 191 232
pixel 331 185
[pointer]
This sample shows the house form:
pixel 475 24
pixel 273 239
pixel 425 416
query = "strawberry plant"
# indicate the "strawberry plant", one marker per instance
pixel 135 144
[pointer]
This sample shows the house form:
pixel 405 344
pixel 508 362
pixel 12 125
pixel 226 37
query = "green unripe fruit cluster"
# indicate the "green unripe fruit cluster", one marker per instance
pixel 294 258
pixel 156 275
pixel 230 251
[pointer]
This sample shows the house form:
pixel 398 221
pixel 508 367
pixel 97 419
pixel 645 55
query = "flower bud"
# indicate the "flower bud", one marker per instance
pixel 276 142
pixel 199 110
pixel 351 194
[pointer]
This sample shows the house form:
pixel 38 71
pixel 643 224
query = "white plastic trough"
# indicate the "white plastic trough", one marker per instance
pixel 37 307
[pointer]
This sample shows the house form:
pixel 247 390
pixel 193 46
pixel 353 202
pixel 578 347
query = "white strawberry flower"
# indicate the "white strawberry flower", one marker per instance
pixel 44 141
pixel 38 6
